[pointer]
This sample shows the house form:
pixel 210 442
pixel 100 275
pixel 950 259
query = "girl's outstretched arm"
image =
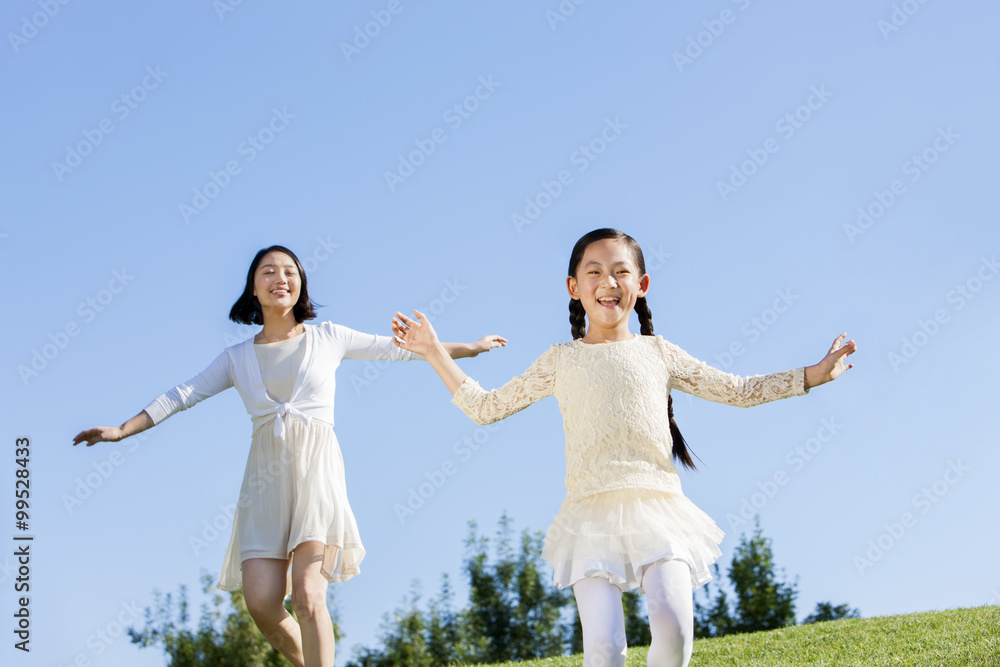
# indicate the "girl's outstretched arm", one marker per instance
pixel 92 436
pixel 833 364
pixel 419 336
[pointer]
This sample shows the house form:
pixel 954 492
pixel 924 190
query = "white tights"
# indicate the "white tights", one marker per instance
pixel 671 617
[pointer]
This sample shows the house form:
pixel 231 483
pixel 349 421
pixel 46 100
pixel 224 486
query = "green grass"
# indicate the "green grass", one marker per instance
pixel 959 638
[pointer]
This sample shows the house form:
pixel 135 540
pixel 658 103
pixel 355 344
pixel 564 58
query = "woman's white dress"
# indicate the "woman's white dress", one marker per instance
pixel 294 488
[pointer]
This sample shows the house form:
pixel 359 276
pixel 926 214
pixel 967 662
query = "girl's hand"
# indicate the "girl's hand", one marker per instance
pixel 415 336
pixel 833 364
pixel 487 343
pixel 92 436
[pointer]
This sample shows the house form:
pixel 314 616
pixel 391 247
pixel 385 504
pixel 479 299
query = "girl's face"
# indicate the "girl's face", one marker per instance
pixel 276 283
pixel 608 283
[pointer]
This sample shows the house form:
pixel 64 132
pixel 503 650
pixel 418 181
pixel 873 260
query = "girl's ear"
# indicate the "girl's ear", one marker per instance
pixel 643 285
pixel 572 288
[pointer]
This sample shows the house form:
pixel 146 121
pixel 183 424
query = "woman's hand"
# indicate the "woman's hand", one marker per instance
pixel 417 336
pixel 92 436
pixel 833 364
pixel 487 343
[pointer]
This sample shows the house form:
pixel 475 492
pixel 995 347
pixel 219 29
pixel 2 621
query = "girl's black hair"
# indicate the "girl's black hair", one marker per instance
pixel 247 309
pixel 578 319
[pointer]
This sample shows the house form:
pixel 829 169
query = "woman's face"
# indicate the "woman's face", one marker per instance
pixel 277 283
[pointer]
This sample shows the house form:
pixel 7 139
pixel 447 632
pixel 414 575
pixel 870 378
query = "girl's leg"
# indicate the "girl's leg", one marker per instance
pixel 603 620
pixel 669 600
pixel 309 602
pixel 264 592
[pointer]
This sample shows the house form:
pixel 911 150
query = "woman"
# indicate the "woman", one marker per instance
pixel 293 506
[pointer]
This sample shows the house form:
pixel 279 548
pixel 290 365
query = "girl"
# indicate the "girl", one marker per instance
pixel 625 522
pixel 293 504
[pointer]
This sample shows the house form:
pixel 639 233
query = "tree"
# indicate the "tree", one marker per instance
pixel 411 637
pixel 512 610
pixel 513 614
pixel 825 611
pixel 762 602
pixel 226 635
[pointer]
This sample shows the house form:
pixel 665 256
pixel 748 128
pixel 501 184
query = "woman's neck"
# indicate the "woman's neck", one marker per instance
pixel 279 326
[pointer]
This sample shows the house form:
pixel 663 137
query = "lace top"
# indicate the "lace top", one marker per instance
pixel 613 399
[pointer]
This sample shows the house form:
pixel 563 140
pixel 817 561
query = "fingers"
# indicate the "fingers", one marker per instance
pixel 91 436
pixel 406 320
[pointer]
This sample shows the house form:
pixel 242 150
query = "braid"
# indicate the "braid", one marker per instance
pixel 680 448
pixel 577 318
pixel 645 316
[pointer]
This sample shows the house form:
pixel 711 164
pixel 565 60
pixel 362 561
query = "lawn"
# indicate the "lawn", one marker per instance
pixel 954 638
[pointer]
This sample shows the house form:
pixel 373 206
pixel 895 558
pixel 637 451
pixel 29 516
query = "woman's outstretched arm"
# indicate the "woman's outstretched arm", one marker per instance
pixel 484 344
pixel 92 436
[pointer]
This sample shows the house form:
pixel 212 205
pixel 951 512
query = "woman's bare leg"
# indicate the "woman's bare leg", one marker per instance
pixel 309 603
pixel 264 581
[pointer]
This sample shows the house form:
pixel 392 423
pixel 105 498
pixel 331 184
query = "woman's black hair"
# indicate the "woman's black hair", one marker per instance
pixel 578 319
pixel 247 309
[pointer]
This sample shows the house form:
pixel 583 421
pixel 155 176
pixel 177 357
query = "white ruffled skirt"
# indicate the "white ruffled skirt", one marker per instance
pixel 294 491
pixel 616 534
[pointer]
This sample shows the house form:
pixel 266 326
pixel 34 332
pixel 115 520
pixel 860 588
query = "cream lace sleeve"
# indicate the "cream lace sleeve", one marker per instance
pixel 697 378
pixel 486 407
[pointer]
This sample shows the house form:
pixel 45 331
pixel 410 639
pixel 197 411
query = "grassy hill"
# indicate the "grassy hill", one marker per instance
pixel 959 638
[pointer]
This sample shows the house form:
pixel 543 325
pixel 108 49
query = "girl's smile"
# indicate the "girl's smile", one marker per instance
pixel 608 284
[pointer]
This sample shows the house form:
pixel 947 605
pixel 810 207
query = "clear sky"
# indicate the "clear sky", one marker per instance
pixel 792 171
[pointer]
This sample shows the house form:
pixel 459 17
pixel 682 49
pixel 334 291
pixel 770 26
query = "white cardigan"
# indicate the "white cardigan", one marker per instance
pixel 312 397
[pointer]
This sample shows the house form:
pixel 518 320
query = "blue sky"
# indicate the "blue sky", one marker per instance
pixel 792 171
